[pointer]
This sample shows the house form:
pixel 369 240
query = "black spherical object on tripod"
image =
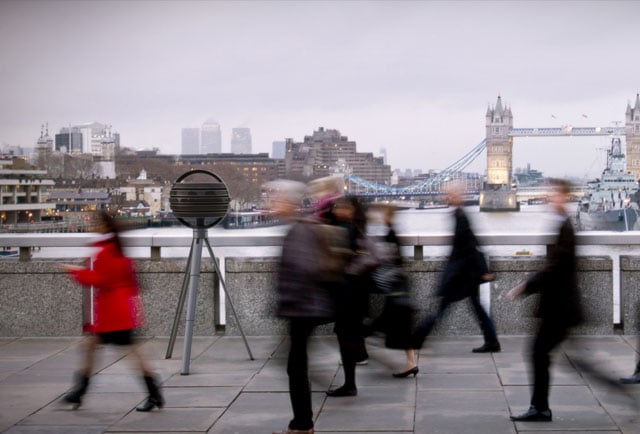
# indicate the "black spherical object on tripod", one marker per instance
pixel 198 205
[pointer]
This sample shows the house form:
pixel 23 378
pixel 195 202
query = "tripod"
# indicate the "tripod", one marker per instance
pixel 190 285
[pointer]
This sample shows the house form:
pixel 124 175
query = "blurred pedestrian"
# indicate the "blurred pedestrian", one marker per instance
pixel 117 310
pixel 304 293
pixel 559 307
pixel 463 273
pixel 633 378
pixel 397 314
pixel 323 192
pixel 352 299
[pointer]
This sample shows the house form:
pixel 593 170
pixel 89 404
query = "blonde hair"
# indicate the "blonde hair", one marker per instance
pixel 292 191
pixel 326 186
pixel 562 186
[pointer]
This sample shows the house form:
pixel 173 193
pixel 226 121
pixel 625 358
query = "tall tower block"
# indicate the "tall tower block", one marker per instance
pixel 497 194
pixel 632 132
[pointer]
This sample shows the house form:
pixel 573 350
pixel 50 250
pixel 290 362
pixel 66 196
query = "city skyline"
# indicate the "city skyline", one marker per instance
pixel 412 77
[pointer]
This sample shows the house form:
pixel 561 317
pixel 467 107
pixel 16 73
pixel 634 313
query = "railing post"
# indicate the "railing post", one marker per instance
pixel 25 254
pixel 418 253
pixel 549 249
pixel 155 253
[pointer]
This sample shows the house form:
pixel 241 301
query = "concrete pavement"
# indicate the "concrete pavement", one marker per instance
pixel 455 392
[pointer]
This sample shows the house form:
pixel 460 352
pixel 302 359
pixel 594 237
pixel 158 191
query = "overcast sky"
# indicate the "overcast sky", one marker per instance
pixel 412 77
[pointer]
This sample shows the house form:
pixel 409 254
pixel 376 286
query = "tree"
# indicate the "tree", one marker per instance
pixel 78 166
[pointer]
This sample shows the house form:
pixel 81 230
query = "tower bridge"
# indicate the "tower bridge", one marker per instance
pixel 498 193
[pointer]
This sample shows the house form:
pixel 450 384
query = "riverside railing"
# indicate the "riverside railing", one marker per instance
pixel 621 267
pixel 156 242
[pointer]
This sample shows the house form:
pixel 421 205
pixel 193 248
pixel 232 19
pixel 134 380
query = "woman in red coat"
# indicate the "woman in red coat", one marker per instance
pixel 117 309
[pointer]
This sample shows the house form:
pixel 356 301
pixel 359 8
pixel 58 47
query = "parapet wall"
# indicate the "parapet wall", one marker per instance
pixel 251 282
pixel 630 297
pixel 39 299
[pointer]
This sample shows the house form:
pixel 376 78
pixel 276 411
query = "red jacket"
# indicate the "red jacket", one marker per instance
pixel 116 300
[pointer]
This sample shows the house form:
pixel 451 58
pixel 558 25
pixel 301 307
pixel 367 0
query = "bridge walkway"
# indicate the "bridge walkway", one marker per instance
pixel 455 392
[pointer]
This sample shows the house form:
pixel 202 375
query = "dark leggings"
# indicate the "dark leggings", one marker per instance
pixel 548 337
pixel 297 368
pixel 486 324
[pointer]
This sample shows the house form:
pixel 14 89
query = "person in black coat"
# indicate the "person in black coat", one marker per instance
pixel 352 294
pixel 304 298
pixel 559 307
pixel 463 273
pixel 396 319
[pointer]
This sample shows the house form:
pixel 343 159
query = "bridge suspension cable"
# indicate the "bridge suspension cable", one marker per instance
pixel 426 185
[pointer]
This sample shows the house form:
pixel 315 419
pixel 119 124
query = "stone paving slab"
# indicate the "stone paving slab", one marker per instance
pixel 459 381
pixel 464 364
pixel 9 418
pixel 101 409
pixel 212 378
pixel 456 391
pixel 169 419
pixel 375 408
pixel 271 381
pixel 259 413
pixel 462 411
pixel 569 432
pixel 34 397
pixel 573 407
pixel 56 429
pixel 194 397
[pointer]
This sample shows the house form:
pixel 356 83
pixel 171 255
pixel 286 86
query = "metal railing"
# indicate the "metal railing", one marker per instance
pixel 155 242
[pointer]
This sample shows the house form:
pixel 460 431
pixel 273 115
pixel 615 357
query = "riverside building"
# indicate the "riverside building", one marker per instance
pixel 327 152
pixel 92 138
pixel 23 194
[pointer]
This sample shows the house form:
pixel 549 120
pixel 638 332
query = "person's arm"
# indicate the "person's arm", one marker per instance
pixel 517 291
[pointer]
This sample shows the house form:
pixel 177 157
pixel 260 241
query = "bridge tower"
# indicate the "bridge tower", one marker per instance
pixel 497 194
pixel 632 132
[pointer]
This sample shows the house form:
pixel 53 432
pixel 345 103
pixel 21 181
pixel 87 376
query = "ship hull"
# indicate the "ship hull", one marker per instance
pixel 619 220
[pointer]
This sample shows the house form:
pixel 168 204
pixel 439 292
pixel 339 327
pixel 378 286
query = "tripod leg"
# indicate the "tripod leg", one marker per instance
pixel 194 281
pixel 176 319
pixel 224 287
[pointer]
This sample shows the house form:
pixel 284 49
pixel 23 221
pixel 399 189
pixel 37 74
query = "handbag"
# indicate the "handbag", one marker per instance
pixel 334 252
pixel 388 278
pixel 367 258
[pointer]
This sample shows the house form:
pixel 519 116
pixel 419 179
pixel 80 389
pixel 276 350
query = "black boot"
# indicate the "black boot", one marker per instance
pixel 155 399
pixel 634 378
pixel 74 397
pixel 488 347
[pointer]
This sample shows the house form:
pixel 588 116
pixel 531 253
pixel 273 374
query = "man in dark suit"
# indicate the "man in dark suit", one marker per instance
pixel 559 307
pixel 304 296
pixel 465 270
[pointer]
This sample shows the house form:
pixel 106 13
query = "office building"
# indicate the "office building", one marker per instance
pixel 190 141
pixel 278 150
pixel 210 138
pixel 69 141
pixel 326 152
pixel 95 139
pixel 241 141
pixel 92 138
